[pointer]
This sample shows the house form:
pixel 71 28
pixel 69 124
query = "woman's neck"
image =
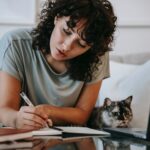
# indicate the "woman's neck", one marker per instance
pixel 57 66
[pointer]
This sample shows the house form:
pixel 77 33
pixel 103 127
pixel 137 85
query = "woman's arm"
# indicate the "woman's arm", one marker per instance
pixel 9 100
pixel 74 115
pixel 10 115
pixel 34 117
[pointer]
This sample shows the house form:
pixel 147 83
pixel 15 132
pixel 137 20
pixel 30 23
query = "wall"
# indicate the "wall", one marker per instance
pixel 18 14
pixel 133 26
pixel 133 31
pixel 132 39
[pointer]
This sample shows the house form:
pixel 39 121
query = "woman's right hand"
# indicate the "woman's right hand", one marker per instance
pixel 28 118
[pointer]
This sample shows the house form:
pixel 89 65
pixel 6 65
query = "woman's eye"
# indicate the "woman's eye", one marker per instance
pixel 81 45
pixel 67 31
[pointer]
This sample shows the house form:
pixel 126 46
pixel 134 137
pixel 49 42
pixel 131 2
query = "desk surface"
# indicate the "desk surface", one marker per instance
pixel 91 143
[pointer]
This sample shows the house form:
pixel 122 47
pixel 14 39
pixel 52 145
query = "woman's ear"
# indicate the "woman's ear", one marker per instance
pixel 55 20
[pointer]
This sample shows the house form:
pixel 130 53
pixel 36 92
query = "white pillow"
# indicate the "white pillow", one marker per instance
pixel 129 80
pixel 118 72
pixel 131 58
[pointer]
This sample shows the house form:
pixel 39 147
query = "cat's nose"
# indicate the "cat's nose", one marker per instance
pixel 121 117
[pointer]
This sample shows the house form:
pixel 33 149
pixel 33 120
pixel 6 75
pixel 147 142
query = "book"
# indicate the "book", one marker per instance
pixel 16 145
pixel 22 144
pixel 11 134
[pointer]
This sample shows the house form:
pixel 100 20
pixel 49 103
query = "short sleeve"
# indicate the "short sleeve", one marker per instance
pixel 103 69
pixel 10 60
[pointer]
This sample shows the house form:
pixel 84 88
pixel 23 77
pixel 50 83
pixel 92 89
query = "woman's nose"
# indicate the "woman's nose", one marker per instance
pixel 67 45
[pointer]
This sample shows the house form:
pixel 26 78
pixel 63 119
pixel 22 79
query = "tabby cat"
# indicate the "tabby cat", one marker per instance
pixel 112 114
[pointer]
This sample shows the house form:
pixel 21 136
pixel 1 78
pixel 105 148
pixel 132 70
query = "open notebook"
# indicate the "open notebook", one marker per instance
pixel 10 134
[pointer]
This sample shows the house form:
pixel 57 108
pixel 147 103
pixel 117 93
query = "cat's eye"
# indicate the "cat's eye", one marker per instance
pixel 116 113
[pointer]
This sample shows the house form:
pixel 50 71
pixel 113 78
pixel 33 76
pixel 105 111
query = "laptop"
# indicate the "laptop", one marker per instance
pixel 132 132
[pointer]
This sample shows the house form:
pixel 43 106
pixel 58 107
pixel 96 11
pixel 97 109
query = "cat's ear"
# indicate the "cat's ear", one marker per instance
pixel 128 100
pixel 107 102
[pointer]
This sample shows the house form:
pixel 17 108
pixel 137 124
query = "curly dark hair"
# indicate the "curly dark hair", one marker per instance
pixel 98 31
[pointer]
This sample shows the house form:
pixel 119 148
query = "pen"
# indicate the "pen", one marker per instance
pixel 26 99
pixel 55 128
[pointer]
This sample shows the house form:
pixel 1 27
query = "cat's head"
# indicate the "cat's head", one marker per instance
pixel 117 113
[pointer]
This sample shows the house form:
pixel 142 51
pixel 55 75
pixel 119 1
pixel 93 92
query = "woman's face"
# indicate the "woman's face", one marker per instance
pixel 66 43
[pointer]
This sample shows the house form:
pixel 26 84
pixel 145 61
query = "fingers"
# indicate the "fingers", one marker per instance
pixel 50 123
pixel 34 120
pixel 27 126
pixel 30 114
pixel 40 110
pixel 33 110
pixel 28 118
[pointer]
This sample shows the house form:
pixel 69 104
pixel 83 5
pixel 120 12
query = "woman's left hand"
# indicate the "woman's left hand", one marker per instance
pixel 42 109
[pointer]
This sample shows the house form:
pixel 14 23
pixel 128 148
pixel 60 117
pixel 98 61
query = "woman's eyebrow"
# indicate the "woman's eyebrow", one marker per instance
pixel 72 29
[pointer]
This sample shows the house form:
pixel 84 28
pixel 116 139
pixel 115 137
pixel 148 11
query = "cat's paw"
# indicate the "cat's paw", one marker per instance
pixel 123 125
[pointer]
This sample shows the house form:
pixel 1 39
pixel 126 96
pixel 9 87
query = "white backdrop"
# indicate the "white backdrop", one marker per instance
pixel 132 12
pixel 133 31
pixel 17 11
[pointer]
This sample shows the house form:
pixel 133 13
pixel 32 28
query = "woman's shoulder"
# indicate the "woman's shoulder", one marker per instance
pixel 17 34
pixel 102 70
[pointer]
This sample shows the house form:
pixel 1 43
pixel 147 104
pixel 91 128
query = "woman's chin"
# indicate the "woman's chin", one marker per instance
pixel 58 58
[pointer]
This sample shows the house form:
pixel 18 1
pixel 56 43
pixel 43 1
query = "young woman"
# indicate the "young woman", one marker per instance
pixel 60 64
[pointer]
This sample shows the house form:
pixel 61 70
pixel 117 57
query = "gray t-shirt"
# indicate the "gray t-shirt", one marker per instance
pixel 38 80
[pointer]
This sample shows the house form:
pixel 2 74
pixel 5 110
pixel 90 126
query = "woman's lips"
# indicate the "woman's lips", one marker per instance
pixel 60 52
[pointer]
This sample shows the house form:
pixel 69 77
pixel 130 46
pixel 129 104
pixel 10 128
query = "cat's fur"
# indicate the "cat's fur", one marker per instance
pixel 115 144
pixel 112 114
